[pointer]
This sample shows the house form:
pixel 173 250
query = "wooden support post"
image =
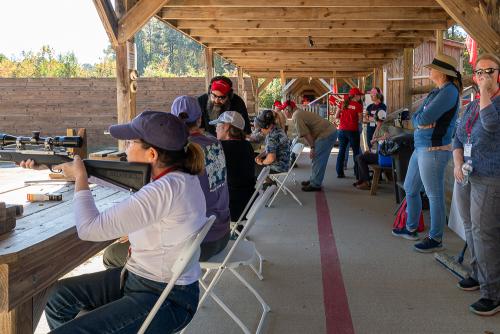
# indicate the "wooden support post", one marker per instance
pixel 439 42
pixel 255 89
pixel 126 85
pixel 283 83
pixel 407 77
pixel 241 82
pixel 209 66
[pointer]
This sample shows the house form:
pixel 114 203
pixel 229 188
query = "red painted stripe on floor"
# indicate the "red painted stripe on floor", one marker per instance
pixel 337 313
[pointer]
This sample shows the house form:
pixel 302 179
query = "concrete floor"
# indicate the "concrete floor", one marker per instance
pixel 390 288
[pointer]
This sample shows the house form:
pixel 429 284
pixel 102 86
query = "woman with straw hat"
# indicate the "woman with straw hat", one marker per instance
pixel 434 123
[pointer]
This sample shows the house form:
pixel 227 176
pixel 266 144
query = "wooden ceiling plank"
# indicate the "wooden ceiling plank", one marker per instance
pixel 333 46
pixel 304 40
pixel 317 14
pixel 314 33
pixel 302 3
pixel 332 24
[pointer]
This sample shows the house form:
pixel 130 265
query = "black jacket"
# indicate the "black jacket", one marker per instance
pixel 235 104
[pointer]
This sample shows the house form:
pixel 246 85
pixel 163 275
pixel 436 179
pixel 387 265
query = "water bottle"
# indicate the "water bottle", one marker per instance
pixel 467 170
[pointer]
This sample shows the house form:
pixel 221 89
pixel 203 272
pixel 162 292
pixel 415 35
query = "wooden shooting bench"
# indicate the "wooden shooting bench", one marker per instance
pixel 42 248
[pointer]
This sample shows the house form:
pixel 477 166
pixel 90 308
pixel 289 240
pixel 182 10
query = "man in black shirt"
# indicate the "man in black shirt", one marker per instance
pixel 220 98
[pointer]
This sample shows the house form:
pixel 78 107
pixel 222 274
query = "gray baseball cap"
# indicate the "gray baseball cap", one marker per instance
pixel 158 128
pixel 231 117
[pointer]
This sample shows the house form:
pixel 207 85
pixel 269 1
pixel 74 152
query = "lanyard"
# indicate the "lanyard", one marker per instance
pixel 165 172
pixel 471 120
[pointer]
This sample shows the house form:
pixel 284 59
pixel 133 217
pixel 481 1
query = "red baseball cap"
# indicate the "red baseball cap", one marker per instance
pixel 277 104
pixel 355 91
pixel 289 103
pixel 221 86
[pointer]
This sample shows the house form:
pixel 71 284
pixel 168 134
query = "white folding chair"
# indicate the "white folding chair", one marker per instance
pixel 189 254
pixel 264 173
pixel 297 150
pixel 239 252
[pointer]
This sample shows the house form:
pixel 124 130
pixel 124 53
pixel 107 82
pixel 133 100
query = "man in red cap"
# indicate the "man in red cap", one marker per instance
pixel 220 98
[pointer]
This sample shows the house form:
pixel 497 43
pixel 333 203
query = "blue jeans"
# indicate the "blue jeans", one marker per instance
pixel 347 138
pixel 370 130
pixel 426 172
pixel 114 310
pixel 322 150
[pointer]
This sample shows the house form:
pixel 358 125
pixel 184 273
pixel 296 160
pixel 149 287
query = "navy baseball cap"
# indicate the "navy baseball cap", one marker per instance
pixel 188 105
pixel 158 128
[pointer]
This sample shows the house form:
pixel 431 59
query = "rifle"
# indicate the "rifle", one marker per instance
pixel 51 151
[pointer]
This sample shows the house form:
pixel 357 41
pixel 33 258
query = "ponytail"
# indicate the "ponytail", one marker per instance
pixel 190 159
pixel 235 133
pixel 457 82
pixel 195 159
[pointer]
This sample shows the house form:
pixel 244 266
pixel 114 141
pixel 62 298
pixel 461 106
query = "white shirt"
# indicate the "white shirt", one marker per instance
pixel 158 219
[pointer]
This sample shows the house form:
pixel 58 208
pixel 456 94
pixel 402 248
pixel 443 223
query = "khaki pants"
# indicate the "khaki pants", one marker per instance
pixel 479 207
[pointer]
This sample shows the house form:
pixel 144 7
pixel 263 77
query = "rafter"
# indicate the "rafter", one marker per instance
pixel 292 54
pixel 108 18
pixel 305 42
pixel 137 17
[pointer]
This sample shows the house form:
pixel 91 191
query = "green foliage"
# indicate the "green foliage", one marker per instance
pixel 270 94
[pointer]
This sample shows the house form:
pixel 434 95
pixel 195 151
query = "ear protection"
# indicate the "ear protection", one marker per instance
pixel 225 79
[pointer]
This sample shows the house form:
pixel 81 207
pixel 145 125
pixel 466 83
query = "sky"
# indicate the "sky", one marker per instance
pixel 64 25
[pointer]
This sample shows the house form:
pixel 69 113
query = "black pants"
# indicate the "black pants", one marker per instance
pixel 363 161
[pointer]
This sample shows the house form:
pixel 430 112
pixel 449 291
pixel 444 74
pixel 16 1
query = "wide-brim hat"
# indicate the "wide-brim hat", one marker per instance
pixel 445 64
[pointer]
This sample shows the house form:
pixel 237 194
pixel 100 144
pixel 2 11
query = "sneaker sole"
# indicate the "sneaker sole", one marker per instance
pixel 485 313
pixel 430 250
pixel 406 236
pixel 474 288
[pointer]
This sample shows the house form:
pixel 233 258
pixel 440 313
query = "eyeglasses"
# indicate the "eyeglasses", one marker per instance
pixel 128 143
pixel 488 71
pixel 218 97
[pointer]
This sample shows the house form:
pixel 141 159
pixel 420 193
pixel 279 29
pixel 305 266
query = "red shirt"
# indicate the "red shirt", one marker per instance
pixel 349 117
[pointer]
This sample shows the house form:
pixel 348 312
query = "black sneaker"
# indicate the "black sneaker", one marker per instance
pixel 485 307
pixel 311 188
pixel 428 245
pixel 305 183
pixel 404 233
pixel 468 284
pixel 341 176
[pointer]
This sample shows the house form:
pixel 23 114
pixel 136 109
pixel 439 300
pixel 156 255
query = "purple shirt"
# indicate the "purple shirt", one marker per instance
pixel 213 182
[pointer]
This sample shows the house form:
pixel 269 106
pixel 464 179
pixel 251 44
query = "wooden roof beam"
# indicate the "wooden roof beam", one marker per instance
pixel 302 3
pixel 332 24
pixel 314 33
pixel 473 23
pixel 317 14
pixel 291 54
pixel 137 17
pixel 308 74
pixel 333 46
pixel 318 41
pixel 108 18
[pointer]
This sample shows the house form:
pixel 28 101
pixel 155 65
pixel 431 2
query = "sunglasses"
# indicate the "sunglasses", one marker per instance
pixel 218 97
pixel 488 71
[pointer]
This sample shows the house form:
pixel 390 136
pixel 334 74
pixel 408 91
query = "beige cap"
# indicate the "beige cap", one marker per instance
pixel 231 117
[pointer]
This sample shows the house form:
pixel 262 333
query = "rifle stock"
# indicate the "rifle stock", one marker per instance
pixel 127 175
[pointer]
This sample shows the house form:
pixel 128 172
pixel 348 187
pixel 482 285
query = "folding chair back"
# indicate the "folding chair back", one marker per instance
pixel 258 187
pixel 295 141
pixel 189 254
pixel 257 205
pixel 297 150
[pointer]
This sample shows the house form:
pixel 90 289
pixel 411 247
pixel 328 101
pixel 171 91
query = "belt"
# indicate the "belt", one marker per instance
pixel 440 148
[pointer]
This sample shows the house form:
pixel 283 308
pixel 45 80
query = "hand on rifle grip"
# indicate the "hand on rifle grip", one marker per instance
pixel 72 169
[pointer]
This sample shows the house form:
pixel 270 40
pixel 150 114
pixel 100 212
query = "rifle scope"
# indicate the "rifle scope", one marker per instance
pixel 58 141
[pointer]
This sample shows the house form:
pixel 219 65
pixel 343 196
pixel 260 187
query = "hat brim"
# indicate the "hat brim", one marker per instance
pixel 124 132
pixel 215 122
pixel 442 70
